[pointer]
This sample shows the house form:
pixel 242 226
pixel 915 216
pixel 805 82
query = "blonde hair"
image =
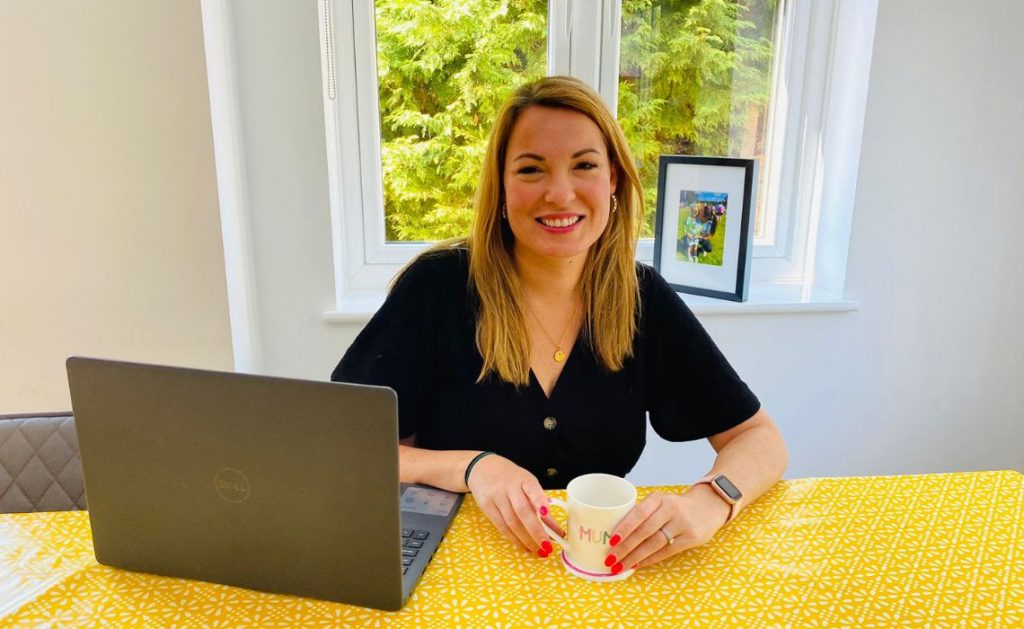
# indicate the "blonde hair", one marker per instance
pixel 608 286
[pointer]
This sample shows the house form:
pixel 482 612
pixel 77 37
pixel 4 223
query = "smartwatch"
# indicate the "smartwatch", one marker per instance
pixel 726 489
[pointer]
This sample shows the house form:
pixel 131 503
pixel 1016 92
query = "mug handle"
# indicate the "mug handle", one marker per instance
pixel 558 539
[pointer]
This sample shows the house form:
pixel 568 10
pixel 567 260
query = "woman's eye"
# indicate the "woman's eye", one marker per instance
pixel 528 170
pixel 586 165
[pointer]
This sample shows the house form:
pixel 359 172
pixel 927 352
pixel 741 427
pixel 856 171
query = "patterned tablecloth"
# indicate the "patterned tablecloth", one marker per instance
pixel 931 550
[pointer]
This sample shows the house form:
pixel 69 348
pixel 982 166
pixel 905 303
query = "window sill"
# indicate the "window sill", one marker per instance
pixel 763 299
pixel 772 298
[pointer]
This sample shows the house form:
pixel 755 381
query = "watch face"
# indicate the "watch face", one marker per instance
pixel 726 485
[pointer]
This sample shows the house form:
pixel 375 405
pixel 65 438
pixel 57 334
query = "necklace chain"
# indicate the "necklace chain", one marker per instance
pixel 559 356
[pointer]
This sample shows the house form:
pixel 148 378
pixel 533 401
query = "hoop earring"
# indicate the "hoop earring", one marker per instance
pixel 615 204
pixel 504 214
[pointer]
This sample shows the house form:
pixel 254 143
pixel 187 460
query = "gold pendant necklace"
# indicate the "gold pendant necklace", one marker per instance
pixel 559 356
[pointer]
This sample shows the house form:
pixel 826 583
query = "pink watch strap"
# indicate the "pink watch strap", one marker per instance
pixel 734 509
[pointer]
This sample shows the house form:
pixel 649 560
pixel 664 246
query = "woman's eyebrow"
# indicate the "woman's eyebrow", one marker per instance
pixel 541 159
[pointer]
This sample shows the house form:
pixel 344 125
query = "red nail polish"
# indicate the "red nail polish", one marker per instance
pixel 615 539
pixel 610 560
pixel 546 546
pixel 543 511
pixel 543 553
pixel 617 568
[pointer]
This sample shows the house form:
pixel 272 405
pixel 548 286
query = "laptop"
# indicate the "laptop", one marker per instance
pixel 273 484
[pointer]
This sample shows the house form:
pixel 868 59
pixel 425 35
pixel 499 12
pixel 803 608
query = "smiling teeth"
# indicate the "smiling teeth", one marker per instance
pixel 560 222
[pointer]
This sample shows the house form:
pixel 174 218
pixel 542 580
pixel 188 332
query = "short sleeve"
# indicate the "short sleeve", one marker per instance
pixel 396 348
pixel 692 391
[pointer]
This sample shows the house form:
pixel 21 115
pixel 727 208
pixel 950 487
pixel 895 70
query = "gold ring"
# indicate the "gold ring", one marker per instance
pixel 668 536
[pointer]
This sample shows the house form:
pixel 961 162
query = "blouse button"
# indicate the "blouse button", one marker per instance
pixel 550 423
pixel 552 472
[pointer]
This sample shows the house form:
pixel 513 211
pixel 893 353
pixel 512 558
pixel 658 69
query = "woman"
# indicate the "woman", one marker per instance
pixel 531 352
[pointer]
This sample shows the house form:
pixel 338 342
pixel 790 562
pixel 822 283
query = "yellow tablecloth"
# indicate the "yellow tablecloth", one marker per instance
pixel 931 550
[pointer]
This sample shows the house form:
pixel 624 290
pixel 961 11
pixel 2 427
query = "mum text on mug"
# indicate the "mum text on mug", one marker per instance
pixel 532 351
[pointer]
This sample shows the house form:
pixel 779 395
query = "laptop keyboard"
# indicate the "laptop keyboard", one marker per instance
pixel 412 542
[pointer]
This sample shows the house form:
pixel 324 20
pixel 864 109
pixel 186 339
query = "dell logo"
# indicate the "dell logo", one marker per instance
pixel 231 485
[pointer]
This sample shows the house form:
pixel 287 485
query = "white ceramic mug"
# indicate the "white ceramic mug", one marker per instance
pixel 596 504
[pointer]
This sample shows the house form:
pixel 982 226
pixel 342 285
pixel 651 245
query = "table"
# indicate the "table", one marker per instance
pixel 928 550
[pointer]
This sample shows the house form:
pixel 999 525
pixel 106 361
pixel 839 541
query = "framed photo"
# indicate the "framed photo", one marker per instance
pixel 703 229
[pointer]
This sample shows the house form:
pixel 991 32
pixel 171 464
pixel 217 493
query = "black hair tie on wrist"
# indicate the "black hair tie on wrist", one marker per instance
pixel 469 468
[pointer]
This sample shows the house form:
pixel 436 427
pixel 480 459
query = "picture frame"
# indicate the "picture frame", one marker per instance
pixel 703 228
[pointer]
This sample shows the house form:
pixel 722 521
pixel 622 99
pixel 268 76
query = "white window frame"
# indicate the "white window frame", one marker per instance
pixel 815 123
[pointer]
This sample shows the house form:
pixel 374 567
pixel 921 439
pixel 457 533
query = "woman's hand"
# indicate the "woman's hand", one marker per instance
pixel 691 519
pixel 514 501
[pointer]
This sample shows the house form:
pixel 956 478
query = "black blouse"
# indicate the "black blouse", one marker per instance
pixel 421 343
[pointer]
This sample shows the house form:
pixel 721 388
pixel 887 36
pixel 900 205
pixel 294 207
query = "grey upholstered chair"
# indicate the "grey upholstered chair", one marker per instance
pixel 40 468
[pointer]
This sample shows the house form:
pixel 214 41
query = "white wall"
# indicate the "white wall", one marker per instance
pixel 110 238
pixel 922 378
pixel 278 52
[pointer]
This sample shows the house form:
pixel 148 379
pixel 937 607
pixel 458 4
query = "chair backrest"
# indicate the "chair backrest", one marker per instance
pixel 40 468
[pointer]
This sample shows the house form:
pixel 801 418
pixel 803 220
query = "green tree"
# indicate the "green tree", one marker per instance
pixel 693 80
pixel 444 68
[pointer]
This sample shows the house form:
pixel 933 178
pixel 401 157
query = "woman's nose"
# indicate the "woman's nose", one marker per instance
pixel 561 191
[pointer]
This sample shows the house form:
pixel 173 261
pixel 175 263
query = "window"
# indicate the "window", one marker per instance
pixel 418 82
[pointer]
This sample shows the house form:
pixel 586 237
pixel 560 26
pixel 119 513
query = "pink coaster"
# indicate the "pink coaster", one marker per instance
pixel 599 577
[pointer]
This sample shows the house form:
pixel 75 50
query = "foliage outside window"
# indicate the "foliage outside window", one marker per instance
pixel 444 69
pixel 694 79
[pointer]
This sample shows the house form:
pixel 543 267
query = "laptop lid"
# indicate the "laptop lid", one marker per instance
pixel 273 484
